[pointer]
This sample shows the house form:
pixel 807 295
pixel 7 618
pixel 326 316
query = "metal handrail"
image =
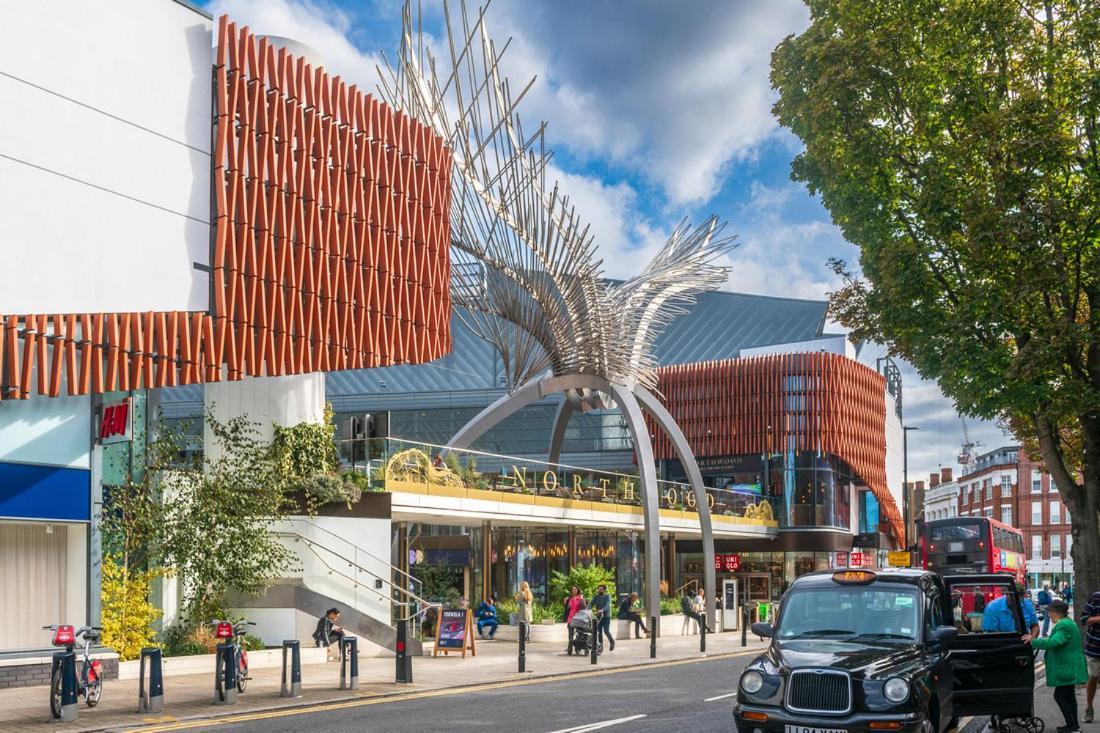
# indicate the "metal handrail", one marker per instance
pixel 389 566
pixel 410 596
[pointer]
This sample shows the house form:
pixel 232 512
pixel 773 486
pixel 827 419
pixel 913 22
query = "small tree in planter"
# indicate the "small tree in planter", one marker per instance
pixel 586 577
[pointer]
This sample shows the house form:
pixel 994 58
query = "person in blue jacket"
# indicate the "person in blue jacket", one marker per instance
pixel 487 617
pixel 999 615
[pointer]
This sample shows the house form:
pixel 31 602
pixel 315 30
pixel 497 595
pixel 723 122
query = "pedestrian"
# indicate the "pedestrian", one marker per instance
pixel 601 606
pixel 525 607
pixel 979 601
pixel 999 616
pixel 1090 619
pixel 486 614
pixel 1065 662
pixel 427 624
pixel 627 613
pixel 329 633
pixel 1044 599
pixel 687 607
pixel 573 603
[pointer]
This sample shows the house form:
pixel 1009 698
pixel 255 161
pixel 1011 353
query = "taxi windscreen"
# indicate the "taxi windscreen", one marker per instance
pixel 847 613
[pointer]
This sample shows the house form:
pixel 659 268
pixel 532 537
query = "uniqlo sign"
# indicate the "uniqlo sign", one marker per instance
pixel 116 423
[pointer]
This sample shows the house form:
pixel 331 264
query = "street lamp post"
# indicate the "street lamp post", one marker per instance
pixel 905 508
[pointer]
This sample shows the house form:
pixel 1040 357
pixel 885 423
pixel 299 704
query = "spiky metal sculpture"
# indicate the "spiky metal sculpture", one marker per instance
pixel 525 268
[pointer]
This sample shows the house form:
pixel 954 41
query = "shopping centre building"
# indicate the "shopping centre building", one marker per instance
pixel 171 266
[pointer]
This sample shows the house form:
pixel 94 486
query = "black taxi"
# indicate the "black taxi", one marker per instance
pixel 861 650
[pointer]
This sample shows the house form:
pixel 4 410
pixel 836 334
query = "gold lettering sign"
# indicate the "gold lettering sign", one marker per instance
pixel 549 481
pixel 672 497
pixel 520 478
pixel 689 499
pixel 710 501
pixel 603 486
pixel 577 489
pixel 628 491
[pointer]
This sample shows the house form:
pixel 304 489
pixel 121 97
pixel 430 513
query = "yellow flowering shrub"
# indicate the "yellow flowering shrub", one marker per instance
pixel 128 615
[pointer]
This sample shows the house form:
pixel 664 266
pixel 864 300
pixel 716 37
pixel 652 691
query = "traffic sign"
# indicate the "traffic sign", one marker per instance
pixel 900 559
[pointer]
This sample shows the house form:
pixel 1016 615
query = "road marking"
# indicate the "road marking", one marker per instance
pixel 376 699
pixel 597 726
pixel 720 697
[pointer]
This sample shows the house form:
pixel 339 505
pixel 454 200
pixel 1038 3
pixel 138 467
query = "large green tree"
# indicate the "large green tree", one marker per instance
pixel 957 144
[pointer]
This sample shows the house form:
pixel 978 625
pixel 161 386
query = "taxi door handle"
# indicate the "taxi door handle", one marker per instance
pixel 1023 661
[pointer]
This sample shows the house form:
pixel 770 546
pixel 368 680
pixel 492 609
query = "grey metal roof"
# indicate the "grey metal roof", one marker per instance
pixel 718 326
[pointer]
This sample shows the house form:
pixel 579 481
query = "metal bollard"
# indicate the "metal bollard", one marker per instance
pixel 703 635
pixel 151 700
pixel 744 627
pixel 294 688
pixel 652 637
pixel 65 664
pixel 595 641
pixel 349 663
pixel 401 653
pixel 225 670
pixel 522 646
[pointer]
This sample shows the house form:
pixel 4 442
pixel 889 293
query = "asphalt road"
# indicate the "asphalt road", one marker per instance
pixel 667 698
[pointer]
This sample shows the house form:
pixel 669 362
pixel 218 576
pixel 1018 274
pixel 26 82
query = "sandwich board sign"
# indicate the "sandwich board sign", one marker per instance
pixel 454 632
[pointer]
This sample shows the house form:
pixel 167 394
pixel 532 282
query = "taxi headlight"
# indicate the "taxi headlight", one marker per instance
pixel 896 689
pixel 752 682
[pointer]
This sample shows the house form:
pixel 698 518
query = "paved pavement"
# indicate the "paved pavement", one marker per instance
pixel 188 699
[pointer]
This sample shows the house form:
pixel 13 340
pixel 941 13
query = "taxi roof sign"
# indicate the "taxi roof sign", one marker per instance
pixel 851 577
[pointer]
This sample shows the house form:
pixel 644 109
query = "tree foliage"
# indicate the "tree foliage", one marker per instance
pixel 128 615
pixel 956 143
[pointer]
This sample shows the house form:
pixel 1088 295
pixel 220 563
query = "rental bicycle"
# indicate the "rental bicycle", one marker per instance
pixel 235 632
pixel 90 678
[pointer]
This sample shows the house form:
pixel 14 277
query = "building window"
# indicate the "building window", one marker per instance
pixel 1055 512
pixel 1006 486
pixel 1006 514
pixel 1036 547
pixel 987 512
pixel 1053 486
pixel 1069 545
pixel 1036 512
pixel 988 485
pixel 1055 546
pixel 1036 482
pixel 1067 516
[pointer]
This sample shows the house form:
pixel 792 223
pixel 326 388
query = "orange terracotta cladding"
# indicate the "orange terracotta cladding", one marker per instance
pixel 741 406
pixel 330 246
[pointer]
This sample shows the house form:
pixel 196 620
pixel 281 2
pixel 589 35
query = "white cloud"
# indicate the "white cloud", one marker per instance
pixel 674 93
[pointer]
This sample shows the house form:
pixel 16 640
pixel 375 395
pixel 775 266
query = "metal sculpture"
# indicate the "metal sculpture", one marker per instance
pixel 526 272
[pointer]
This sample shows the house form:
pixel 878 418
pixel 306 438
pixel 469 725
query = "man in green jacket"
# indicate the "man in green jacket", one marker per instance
pixel 1065 662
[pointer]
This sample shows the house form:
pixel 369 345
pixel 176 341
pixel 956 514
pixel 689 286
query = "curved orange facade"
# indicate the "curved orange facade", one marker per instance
pixel 813 401
pixel 330 246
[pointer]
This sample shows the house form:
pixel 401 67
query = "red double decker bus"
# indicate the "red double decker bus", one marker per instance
pixel 973 544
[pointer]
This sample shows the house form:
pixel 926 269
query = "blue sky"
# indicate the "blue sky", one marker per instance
pixel 657 111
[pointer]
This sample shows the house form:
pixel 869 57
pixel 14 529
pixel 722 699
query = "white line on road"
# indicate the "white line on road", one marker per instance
pixel 597 726
pixel 720 697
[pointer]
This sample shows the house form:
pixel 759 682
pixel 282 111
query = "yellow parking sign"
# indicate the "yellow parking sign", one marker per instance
pixel 900 559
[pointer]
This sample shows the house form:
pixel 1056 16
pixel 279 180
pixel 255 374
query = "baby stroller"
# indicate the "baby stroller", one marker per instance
pixel 581 627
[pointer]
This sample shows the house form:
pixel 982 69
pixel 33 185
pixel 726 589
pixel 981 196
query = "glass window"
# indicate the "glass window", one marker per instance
pixel 1006 514
pixel 1036 482
pixel 1055 512
pixel 1036 546
pixel 988 485
pixel 1053 486
pixel 1006 485
pixel 959 531
pixel 852 612
pixel 1055 546
pixel 987 512
pixel 1069 545
pixel 1036 512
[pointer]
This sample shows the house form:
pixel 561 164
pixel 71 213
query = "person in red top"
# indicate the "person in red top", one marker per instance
pixel 573 603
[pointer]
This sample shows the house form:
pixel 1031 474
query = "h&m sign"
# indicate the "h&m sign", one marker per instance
pixel 116 422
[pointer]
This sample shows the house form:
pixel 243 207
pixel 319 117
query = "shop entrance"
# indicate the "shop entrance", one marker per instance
pixel 754 589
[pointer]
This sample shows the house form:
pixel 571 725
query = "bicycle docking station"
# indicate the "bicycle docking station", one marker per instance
pixel 225 675
pixel 294 688
pixel 523 631
pixel 401 654
pixel 151 699
pixel 64 664
pixel 349 663
pixel 653 621
pixel 703 635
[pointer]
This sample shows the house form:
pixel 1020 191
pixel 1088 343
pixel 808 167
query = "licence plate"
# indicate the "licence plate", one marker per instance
pixel 807 729
pixel 956 547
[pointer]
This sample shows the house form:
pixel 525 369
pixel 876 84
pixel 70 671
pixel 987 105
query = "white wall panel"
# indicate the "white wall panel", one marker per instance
pixel 105 118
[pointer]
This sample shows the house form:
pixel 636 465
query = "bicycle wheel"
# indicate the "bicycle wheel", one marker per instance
pixel 219 681
pixel 242 672
pixel 55 692
pixel 93 687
